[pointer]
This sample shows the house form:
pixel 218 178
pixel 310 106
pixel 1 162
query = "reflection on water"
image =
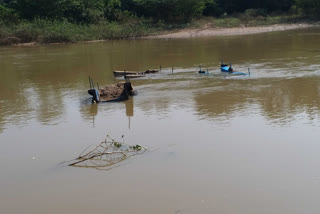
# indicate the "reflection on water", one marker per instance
pixel 286 98
pixel 279 100
pixel 90 111
pixel 129 108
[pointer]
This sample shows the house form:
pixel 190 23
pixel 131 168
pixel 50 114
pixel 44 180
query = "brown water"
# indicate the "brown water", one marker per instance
pixel 226 145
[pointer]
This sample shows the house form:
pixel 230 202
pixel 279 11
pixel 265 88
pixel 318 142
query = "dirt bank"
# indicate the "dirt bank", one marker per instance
pixel 208 32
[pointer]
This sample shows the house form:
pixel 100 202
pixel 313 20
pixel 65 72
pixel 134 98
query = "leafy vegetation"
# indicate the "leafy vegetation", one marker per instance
pixel 73 20
pixel 309 7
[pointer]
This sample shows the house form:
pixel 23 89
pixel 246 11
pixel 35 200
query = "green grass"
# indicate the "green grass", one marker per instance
pixel 45 31
pixel 227 22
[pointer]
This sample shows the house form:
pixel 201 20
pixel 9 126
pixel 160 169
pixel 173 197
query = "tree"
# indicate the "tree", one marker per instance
pixel 112 9
pixel 30 9
pixel 309 7
pixel 212 8
pixel 8 15
pixel 170 10
pixel 188 9
pixel 81 11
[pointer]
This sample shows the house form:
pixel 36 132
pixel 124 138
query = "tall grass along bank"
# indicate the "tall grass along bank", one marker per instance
pixel 45 31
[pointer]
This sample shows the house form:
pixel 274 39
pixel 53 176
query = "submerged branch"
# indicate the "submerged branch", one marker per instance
pixel 109 152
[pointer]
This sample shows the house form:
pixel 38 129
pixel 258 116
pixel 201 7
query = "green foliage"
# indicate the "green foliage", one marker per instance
pixel 190 8
pixel 173 11
pixel 53 31
pixel 309 7
pixel 170 10
pixel 112 9
pixel 8 15
pixel 231 6
pixel 47 21
pixel 227 22
pixel 116 144
pixel 212 8
pixel 29 9
pixel 251 14
pixel 82 11
pixel 26 32
pixel 136 148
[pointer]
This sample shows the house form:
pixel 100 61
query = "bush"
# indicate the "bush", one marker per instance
pixel 27 32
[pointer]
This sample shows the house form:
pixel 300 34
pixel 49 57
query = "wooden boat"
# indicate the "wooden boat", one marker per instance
pixel 122 73
pixel 132 76
pixel 151 71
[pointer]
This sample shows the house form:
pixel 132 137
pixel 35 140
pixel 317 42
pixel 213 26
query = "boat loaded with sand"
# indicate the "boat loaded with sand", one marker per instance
pixel 111 93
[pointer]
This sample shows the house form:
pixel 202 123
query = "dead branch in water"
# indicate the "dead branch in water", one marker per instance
pixel 107 153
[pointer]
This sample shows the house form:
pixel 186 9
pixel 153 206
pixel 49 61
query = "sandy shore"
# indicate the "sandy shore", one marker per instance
pixel 208 32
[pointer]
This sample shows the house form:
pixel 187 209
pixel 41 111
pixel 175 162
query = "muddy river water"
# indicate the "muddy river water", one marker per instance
pixel 216 144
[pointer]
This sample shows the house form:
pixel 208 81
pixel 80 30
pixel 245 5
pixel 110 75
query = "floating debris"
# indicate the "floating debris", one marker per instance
pixel 107 153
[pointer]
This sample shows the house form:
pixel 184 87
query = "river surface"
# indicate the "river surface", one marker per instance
pixel 216 143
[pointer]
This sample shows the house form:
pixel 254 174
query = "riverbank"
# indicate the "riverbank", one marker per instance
pixel 209 31
pixel 47 32
pixel 51 32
